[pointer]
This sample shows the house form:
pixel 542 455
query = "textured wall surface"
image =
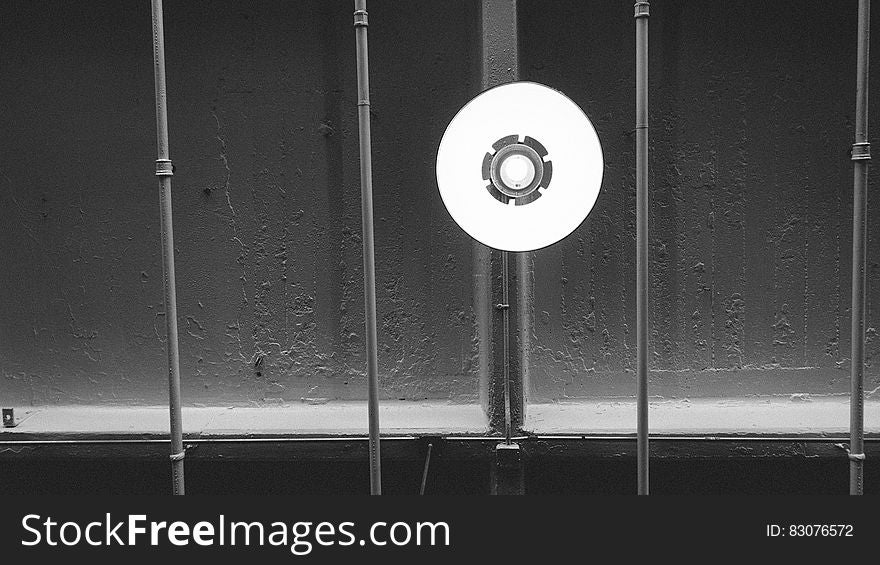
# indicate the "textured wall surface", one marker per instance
pixel 751 111
pixel 751 114
pixel 263 134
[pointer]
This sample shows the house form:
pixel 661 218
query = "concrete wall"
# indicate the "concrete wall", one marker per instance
pixel 266 197
pixel 751 114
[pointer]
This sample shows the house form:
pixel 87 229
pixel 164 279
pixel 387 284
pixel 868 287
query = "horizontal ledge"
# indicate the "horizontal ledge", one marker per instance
pixel 796 416
pixel 461 448
pixel 337 419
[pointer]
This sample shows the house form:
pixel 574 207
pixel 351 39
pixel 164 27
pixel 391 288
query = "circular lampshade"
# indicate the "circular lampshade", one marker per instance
pixel 519 167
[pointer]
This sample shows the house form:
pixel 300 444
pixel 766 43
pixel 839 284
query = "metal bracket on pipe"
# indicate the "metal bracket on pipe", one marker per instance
pixel 360 18
pixel 641 10
pixel 164 168
pixel 861 151
pixel 849 454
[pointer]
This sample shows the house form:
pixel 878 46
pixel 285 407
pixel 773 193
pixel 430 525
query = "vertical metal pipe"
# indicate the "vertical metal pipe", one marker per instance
pixel 363 79
pixel 523 327
pixel 641 16
pixel 164 171
pixel 425 469
pixel 861 155
pixel 505 313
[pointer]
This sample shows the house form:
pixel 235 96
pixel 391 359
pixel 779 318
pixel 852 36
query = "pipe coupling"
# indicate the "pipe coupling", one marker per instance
pixel 642 10
pixel 861 151
pixel 164 168
pixel 849 454
pixel 360 18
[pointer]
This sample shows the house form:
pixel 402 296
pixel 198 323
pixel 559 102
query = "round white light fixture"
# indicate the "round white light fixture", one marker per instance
pixel 519 167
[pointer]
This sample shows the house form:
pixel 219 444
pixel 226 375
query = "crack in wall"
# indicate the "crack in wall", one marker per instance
pixel 232 221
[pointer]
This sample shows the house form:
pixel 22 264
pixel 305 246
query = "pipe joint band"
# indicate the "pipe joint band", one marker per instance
pixel 363 102
pixel 861 151
pixel 360 18
pixel 164 168
pixel 178 456
pixel 642 10
pixel 850 455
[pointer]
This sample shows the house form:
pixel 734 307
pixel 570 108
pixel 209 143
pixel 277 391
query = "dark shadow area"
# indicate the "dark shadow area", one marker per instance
pixel 754 477
pixel 240 477
pixel 582 477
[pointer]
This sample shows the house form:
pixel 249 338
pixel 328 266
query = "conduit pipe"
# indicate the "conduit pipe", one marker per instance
pixel 641 17
pixel 861 155
pixel 505 320
pixel 363 93
pixel 164 170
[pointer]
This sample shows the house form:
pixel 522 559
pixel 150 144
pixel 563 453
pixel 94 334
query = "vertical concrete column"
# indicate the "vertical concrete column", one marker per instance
pixel 499 65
